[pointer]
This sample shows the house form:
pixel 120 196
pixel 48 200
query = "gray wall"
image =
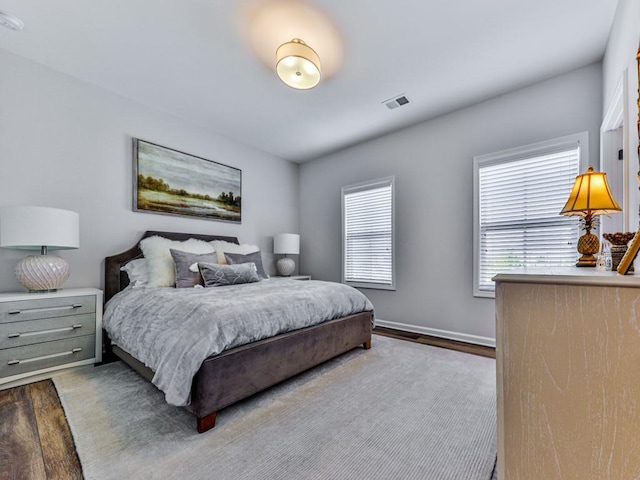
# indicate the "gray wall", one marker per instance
pixel 621 49
pixel 67 144
pixel 432 163
pixel 620 64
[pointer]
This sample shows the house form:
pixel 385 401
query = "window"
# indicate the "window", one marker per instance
pixel 518 195
pixel 368 234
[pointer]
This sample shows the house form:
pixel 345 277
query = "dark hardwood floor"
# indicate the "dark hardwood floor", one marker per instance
pixel 35 440
pixel 438 342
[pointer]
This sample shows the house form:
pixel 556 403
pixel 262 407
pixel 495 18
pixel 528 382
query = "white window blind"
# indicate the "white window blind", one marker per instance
pixel 368 237
pixel 518 212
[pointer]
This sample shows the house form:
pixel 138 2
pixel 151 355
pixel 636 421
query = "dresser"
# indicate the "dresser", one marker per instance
pixel 568 374
pixel 41 333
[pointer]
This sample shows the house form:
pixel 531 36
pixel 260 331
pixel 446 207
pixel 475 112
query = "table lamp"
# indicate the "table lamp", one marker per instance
pixel 43 229
pixel 286 244
pixel 589 197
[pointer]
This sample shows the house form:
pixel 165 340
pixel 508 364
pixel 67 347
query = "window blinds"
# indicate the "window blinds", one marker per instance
pixel 519 213
pixel 368 234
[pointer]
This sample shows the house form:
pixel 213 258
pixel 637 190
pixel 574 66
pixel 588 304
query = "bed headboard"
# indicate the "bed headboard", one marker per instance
pixel 116 280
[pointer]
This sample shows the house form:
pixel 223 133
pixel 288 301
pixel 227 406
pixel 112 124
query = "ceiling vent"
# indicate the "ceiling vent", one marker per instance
pixel 396 102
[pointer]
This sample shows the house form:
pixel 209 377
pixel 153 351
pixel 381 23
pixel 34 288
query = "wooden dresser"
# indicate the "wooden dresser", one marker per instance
pixel 568 367
pixel 44 332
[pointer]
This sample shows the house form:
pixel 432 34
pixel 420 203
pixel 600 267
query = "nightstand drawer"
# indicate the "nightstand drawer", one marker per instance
pixel 14 361
pixel 20 310
pixel 17 334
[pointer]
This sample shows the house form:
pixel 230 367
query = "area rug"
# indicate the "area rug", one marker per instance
pixel 398 411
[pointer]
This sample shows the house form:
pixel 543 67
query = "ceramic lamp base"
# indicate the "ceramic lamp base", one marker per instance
pixel 42 273
pixel 285 266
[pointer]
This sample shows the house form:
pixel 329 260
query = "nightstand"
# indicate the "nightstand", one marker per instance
pixel 300 277
pixel 44 332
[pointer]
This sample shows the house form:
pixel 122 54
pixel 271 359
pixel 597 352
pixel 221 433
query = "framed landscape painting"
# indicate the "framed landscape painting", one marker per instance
pixel 170 182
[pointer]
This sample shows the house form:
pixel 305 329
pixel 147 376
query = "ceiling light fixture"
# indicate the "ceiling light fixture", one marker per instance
pixel 298 65
pixel 9 21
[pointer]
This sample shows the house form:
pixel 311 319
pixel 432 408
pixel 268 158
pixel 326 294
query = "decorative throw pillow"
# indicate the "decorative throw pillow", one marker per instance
pixel 255 257
pixel 185 278
pixel 156 251
pixel 221 247
pixel 222 275
pixel 138 272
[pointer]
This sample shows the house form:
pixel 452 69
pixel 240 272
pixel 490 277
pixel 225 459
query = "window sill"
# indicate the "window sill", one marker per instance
pixel 484 294
pixel 371 286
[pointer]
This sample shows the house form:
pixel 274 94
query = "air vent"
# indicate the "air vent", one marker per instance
pixel 396 102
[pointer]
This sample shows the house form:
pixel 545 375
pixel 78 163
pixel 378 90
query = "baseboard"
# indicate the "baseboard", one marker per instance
pixel 24 379
pixel 435 332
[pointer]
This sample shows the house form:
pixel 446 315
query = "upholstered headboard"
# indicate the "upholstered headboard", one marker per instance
pixel 115 280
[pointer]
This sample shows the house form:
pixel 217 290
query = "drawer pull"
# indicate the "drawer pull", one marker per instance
pixel 44 357
pixel 45 332
pixel 46 309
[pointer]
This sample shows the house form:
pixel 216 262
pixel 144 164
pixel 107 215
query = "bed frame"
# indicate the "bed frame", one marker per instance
pixel 240 372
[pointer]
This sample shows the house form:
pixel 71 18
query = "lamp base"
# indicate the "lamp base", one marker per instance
pixel 588 246
pixel 42 273
pixel 587 260
pixel 285 266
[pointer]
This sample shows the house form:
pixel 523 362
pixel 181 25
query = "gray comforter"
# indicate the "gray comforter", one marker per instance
pixel 172 330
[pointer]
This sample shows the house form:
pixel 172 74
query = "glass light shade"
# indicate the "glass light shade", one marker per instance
pixel 31 228
pixel 286 244
pixel 591 195
pixel 298 65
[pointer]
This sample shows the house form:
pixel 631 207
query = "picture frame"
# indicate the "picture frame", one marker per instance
pixel 630 255
pixel 171 182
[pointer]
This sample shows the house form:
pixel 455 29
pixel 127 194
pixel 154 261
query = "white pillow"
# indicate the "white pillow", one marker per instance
pixel 162 271
pixel 138 272
pixel 221 247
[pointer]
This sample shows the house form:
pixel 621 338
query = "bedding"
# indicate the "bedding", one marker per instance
pixel 255 257
pixel 173 330
pixel 138 272
pixel 156 251
pixel 221 247
pixel 185 277
pixel 215 275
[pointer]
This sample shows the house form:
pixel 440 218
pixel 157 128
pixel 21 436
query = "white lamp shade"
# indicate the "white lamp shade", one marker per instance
pixel 286 243
pixel 30 228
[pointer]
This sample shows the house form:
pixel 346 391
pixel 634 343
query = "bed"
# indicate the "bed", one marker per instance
pixel 242 371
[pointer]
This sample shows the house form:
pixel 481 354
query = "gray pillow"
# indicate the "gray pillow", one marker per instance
pixel 185 278
pixel 254 257
pixel 215 275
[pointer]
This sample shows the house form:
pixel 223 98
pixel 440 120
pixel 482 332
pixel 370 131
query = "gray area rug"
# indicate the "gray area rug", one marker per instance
pixel 398 411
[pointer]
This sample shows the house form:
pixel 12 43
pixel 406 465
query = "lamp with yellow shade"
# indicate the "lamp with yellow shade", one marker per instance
pixel 590 197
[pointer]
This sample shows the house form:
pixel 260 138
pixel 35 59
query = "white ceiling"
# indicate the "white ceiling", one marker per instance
pixel 191 58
